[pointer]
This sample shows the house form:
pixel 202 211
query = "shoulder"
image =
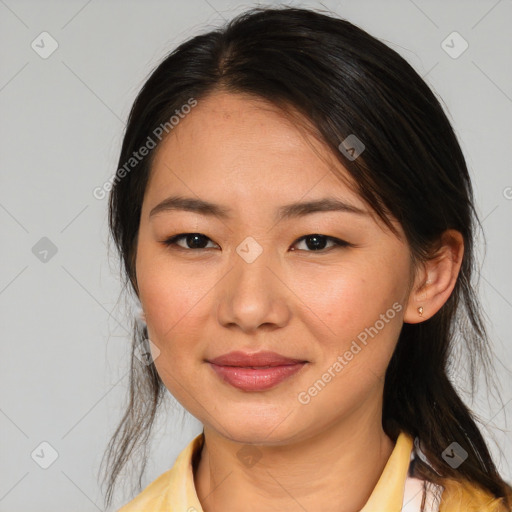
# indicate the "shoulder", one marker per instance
pixel 174 489
pixel 152 497
pixel 468 497
pixel 450 494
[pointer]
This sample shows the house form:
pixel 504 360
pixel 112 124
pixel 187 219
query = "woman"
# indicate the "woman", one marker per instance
pixel 295 215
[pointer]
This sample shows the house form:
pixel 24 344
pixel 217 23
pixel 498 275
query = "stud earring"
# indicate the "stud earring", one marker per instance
pixel 420 310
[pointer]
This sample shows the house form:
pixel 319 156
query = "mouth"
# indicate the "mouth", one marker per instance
pixel 255 372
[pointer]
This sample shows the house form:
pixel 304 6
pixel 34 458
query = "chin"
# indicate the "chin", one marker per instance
pixel 257 425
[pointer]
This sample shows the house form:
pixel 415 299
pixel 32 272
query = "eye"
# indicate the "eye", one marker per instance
pixel 192 241
pixel 317 242
pixel 314 242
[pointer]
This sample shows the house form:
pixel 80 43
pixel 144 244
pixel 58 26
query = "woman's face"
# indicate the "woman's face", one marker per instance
pixel 251 282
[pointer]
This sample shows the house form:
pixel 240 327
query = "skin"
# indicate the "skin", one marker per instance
pixel 244 154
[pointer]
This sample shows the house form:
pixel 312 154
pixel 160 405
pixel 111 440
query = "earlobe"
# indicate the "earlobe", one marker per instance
pixel 436 280
pixel 417 307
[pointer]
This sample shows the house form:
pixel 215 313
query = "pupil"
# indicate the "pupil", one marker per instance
pixel 318 244
pixel 192 241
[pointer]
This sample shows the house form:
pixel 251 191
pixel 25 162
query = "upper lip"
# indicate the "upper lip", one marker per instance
pixel 254 360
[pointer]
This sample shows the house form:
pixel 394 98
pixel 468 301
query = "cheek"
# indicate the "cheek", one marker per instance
pixel 173 299
pixel 335 301
pixel 355 311
pixel 174 305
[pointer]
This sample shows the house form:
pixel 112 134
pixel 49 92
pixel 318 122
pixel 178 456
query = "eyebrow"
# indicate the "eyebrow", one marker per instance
pixel 293 210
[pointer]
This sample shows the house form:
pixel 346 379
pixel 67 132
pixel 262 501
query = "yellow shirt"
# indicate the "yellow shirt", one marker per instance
pixel 174 490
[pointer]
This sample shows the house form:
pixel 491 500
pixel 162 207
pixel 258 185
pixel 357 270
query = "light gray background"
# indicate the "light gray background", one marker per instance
pixel 65 343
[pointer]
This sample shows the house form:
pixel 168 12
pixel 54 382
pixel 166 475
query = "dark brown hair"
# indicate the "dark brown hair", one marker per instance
pixel 343 81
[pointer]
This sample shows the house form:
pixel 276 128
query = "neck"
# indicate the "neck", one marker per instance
pixel 334 470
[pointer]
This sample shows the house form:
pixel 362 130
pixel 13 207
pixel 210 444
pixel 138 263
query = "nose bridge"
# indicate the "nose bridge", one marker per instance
pixel 252 294
pixel 252 274
pixel 252 266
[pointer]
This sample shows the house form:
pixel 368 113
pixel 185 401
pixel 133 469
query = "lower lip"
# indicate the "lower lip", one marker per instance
pixel 250 379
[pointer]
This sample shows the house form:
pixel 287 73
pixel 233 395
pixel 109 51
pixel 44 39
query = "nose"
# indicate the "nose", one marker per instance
pixel 254 296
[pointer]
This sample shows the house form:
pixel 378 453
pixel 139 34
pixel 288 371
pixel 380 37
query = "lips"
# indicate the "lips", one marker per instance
pixel 255 372
pixel 257 360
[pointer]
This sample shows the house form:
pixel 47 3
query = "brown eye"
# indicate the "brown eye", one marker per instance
pixel 316 242
pixel 192 241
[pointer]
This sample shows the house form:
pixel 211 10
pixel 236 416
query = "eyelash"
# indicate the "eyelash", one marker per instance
pixel 171 242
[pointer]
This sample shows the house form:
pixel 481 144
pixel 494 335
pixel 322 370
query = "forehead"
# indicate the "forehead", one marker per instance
pixel 243 148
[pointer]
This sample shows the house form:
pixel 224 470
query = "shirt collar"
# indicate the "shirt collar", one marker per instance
pixel 387 495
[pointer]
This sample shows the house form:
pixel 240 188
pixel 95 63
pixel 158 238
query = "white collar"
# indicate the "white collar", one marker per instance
pixel 414 487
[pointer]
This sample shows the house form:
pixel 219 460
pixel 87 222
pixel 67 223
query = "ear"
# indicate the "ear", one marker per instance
pixel 435 280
